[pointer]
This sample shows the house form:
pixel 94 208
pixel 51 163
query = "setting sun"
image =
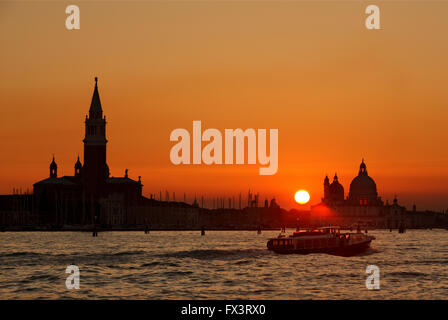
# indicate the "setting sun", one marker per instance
pixel 302 196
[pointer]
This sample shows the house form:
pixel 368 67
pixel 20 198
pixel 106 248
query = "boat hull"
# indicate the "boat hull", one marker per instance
pixel 347 250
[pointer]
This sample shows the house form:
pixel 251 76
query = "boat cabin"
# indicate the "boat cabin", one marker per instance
pixel 317 232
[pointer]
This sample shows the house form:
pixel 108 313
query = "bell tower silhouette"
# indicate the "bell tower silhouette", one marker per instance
pixel 53 169
pixel 95 169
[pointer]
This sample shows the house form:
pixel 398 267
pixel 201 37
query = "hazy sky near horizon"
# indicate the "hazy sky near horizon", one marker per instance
pixel 336 91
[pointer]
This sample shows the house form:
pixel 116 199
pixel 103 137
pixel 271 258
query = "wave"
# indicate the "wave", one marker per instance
pixel 159 263
pixel 20 253
pixel 177 273
pixel 368 252
pixel 126 253
pixel 407 274
pixel 30 253
pixel 211 254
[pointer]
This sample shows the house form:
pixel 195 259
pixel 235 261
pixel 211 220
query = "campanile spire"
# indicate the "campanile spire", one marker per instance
pixel 95 169
pixel 96 111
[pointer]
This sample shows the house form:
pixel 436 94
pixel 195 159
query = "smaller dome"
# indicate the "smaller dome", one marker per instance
pixel 336 189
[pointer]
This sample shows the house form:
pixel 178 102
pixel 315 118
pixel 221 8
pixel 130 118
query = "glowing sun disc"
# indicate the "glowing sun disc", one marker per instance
pixel 302 196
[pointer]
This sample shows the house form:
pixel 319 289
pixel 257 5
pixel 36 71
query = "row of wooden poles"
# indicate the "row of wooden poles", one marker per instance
pixel 95 232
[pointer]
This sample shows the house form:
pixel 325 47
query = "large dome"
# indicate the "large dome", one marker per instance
pixel 362 186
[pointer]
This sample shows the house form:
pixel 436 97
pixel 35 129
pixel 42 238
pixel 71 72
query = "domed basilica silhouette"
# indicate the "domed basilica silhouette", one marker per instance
pixel 362 205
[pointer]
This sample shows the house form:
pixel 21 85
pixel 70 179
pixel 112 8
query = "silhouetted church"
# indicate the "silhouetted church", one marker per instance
pixel 76 199
pixel 362 205
pixel 92 196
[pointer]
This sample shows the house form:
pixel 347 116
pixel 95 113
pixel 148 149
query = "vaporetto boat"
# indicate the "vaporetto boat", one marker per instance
pixel 321 240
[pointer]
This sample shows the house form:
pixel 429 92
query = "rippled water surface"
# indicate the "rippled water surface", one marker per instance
pixel 219 265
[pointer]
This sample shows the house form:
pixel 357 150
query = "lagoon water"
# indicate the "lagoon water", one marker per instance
pixel 219 265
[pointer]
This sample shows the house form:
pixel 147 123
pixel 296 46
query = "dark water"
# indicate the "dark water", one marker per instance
pixel 220 265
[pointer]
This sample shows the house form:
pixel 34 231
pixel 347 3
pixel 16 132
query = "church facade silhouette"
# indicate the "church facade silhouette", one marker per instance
pixel 78 199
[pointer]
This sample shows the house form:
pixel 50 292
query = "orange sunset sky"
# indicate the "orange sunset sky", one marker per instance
pixel 336 91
